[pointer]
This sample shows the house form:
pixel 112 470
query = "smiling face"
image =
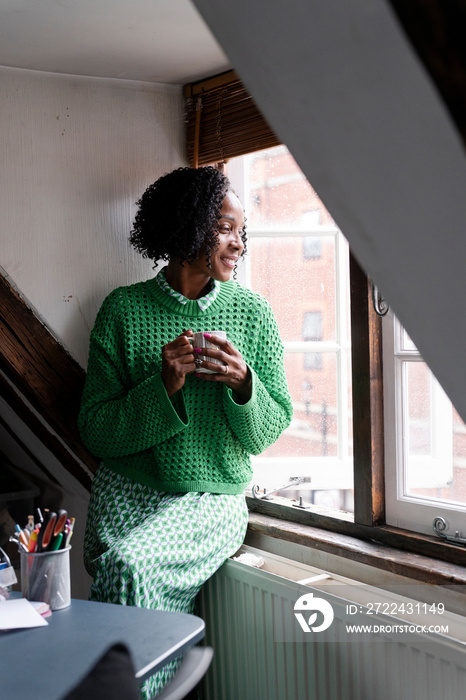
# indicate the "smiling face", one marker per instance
pixel 224 258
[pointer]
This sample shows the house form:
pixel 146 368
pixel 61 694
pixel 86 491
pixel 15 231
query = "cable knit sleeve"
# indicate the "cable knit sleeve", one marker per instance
pixel 119 417
pixel 259 423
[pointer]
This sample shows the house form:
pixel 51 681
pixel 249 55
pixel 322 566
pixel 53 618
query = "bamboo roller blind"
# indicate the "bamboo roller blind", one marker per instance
pixel 223 121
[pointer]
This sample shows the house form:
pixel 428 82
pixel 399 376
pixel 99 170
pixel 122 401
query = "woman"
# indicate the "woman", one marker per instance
pixel 167 504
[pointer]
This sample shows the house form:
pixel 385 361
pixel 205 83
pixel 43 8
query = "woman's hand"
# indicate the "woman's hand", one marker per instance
pixel 177 362
pixel 232 371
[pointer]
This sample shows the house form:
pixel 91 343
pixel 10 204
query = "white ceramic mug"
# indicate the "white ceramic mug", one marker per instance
pixel 199 341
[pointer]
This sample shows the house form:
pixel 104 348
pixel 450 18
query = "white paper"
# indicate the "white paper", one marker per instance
pixel 250 559
pixel 17 613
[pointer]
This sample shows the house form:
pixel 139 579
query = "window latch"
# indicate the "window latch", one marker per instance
pixel 381 307
pixel 266 494
pixel 439 525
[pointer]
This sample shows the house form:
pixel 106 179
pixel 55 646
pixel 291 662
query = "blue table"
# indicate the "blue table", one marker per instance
pixel 45 663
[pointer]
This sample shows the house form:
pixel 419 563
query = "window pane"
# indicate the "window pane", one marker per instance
pixel 457 491
pixel 406 342
pixel 295 285
pixel 312 325
pixel 436 461
pixel 297 258
pixel 425 441
pixel 349 400
pixel 312 247
pixel 419 408
pixel 314 429
pixel 280 194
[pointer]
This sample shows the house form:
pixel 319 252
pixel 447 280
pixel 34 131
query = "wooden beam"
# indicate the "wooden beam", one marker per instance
pixel 368 442
pixel 42 370
pixel 48 439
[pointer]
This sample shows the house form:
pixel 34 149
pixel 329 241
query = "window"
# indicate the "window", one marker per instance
pixel 312 325
pixel 426 441
pixel 298 259
pixel 312 247
pixel 312 330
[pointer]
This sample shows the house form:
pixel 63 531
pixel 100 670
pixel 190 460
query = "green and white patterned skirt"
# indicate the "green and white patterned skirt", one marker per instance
pixel 155 550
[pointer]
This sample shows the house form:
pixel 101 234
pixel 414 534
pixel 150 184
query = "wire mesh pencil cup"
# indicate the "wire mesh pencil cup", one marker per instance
pixel 46 577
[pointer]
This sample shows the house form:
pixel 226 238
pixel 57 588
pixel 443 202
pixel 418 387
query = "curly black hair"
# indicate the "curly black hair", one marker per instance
pixel 178 215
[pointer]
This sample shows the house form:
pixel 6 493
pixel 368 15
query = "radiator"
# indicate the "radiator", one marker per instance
pixel 250 623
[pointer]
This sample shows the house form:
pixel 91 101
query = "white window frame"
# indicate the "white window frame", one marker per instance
pixel 402 510
pixel 338 472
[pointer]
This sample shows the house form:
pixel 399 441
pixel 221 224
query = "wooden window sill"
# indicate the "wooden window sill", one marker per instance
pixel 378 555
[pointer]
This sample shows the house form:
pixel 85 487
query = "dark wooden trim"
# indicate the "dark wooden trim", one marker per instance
pixel 213 83
pixel 435 29
pixel 50 441
pixel 379 555
pixel 368 442
pixel 404 540
pixel 42 370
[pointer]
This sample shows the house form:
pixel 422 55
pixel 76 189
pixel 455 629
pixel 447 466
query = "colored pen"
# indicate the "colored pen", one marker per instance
pixel 43 520
pixel 33 540
pixel 56 542
pixel 24 537
pixel 69 533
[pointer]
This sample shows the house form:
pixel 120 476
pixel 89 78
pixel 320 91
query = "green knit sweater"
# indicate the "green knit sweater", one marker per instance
pixel 200 439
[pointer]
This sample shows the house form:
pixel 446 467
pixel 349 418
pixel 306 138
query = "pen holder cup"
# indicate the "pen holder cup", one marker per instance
pixel 45 577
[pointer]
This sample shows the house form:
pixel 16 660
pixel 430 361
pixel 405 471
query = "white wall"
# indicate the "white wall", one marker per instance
pixel 76 154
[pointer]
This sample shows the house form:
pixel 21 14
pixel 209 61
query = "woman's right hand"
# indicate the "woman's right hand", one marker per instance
pixel 177 362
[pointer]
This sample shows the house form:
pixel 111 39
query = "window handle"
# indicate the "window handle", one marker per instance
pixel 439 525
pixel 266 494
pixel 381 307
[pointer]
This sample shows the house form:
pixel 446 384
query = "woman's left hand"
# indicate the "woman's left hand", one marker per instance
pixel 233 370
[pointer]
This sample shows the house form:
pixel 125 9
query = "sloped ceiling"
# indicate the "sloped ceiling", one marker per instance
pixel 162 41
pixel 342 86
